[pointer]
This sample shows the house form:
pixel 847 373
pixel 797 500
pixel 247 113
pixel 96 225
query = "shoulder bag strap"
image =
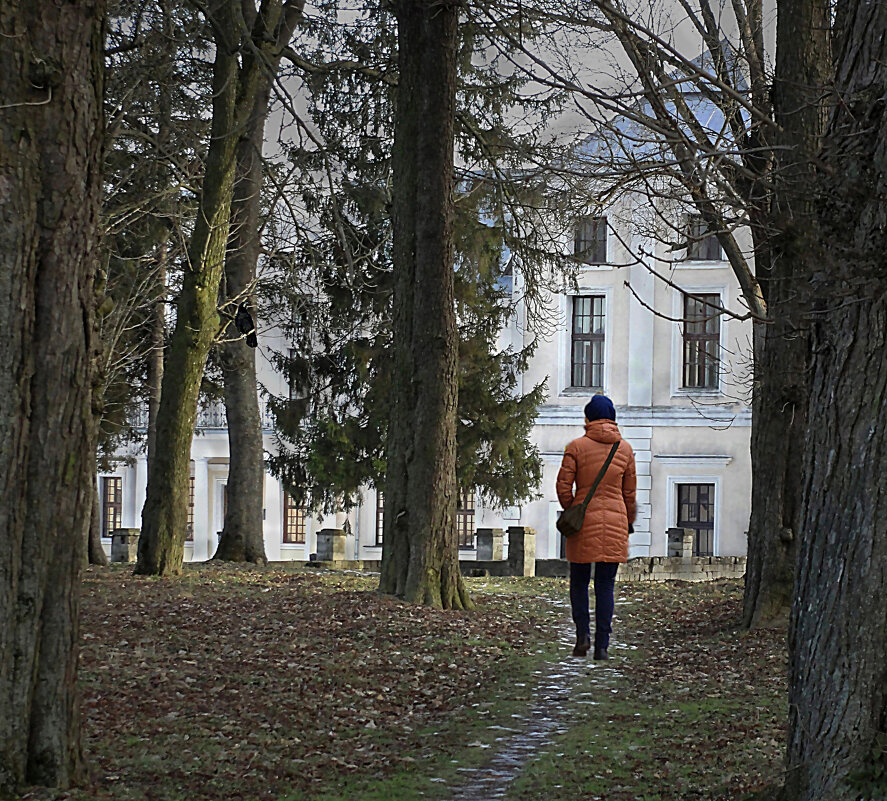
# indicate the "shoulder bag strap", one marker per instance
pixel 600 476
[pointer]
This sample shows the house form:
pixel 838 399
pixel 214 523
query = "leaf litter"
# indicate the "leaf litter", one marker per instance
pixel 239 683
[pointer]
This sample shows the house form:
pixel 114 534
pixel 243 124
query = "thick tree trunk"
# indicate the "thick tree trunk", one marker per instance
pixel 777 443
pixel 420 551
pixel 838 697
pixel 95 552
pixel 242 537
pixel 784 242
pixel 162 541
pixel 50 191
pixel 164 516
pixel 838 635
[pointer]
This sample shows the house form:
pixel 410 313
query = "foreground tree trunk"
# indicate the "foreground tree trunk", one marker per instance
pixel 242 537
pixel 784 240
pixel 838 637
pixel 50 190
pixel 420 554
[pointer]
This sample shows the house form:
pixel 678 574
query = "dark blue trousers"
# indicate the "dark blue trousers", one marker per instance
pixel 604 582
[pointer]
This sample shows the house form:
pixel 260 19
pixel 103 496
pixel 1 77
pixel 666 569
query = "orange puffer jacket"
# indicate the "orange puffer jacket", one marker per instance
pixel 604 535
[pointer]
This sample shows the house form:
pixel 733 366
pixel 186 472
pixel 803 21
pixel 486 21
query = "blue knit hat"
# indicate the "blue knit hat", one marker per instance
pixel 600 407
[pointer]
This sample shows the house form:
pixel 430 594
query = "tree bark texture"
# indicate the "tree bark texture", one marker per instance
pixel 777 444
pixel 420 552
pixel 50 193
pixel 157 315
pixel 154 366
pixel 242 537
pixel 838 634
pixel 784 242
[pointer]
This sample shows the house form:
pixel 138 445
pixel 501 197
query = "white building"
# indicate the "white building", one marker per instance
pixel 684 412
pixel 677 388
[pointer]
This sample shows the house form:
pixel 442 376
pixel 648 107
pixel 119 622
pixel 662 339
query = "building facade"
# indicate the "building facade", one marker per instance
pixel 676 366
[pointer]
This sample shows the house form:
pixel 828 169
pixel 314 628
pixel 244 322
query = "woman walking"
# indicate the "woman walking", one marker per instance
pixel 603 539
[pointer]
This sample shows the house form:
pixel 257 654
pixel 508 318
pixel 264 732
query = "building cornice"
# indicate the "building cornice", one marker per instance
pixel 694 459
pixel 702 415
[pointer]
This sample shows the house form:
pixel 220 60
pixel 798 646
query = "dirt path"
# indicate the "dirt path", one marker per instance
pixel 547 717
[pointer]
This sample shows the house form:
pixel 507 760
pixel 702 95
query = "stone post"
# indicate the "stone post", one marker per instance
pixel 521 551
pixel 489 544
pixel 680 543
pixel 124 544
pixel 331 545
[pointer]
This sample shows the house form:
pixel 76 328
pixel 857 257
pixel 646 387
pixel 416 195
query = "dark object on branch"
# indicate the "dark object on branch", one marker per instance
pixel 243 320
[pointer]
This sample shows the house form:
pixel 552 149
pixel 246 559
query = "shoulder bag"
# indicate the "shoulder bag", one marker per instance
pixel 571 520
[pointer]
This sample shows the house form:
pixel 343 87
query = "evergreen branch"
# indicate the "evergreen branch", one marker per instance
pixel 341 65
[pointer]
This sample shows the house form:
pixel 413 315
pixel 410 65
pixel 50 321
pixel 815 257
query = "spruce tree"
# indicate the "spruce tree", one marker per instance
pixel 336 282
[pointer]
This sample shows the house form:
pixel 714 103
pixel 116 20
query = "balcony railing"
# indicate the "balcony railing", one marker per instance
pixel 210 416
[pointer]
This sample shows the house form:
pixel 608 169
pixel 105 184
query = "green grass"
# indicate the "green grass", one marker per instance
pixel 696 711
pixel 651 752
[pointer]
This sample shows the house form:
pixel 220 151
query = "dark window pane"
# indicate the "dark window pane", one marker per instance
pixel 696 511
pixel 702 333
pixel 587 351
pixel 590 240
pixel 702 243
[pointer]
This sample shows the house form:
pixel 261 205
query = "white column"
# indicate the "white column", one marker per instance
pixel 273 523
pixel 640 330
pixel 132 518
pixel 201 510
pixel 553 540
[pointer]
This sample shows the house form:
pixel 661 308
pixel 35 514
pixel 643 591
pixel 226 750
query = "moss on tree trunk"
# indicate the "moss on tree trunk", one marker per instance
pixel 235 87
pixel 164 516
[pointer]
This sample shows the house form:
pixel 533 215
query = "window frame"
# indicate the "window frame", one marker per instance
pixel 591 338
pixel 598 250
pixel 701 248
pixel 300 522
pixel 111 506
pixel 380 517
pixel 466 510
pixel 700 526
pixel 189 528
pixel 673 511
pixel 707 361
pixel 678 390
